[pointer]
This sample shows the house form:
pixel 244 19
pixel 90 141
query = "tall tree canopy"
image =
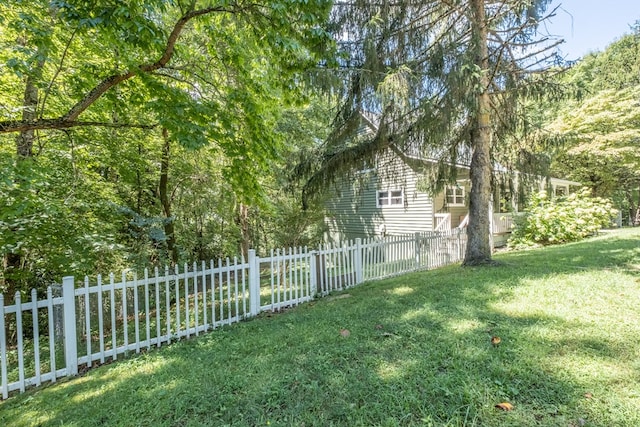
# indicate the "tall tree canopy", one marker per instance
pixel 600 123
pixel 445 79
pixel 102 105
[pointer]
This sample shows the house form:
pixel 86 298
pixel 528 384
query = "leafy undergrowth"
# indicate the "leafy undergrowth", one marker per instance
pixel 413 350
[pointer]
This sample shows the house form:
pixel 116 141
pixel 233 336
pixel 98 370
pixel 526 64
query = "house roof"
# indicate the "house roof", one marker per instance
pixel 369 125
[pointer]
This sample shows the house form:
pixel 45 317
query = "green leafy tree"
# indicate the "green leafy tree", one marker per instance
pixel 101 103
pixel 600 124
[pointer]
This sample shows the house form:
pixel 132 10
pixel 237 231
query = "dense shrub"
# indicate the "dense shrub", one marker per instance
pixel 567 219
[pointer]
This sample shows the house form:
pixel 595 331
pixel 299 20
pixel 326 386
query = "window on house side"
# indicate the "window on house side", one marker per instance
pixel 390 198
pixel 455 196
pixel 561 191
pixel 395 197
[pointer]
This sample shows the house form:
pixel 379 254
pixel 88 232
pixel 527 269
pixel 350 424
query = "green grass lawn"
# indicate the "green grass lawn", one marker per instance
pixel 418 352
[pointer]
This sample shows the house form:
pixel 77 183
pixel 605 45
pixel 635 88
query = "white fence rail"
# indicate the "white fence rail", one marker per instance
pixel 73 328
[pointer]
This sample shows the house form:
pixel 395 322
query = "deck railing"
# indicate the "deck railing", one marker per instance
pixel 502 223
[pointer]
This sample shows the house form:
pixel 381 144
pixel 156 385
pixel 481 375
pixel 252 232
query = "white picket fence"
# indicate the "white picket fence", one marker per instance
pixel 80 325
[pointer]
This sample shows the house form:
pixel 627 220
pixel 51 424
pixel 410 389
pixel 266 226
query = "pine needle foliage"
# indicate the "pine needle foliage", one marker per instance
pixel 418 67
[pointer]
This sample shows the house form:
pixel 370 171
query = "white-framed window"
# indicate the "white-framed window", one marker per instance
pixel 454 195
pixel 389 198
pixel 561 191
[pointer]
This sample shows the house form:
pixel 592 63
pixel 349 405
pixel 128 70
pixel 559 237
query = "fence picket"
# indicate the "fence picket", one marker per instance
pixel 286 275
pixel 229 293
pixel 52 343
pixel 293 268
pixel 36 335
pixel 196 299
pixel 220 286
pixel 272 261
pixel 87 320
pixel 235 286
pixel 328 268
pixel 3 351
pixel 136 310
pixel 308 261
pixel 177 282
pixel 112 300
pixel 125 324
pixel 167 297
pixel 100 319
pixel 244 288
pixel 213 295
pixel 20 341
pixel 157 305
pixel 187 318
pixel 278 273
pixel 147 324
pixel 203 271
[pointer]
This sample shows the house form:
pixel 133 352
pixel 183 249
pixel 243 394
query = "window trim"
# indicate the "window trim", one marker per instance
pixel 458 199
pixel 390 198
pixel 564 190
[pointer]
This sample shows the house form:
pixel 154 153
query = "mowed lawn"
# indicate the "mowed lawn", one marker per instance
pixel 409 351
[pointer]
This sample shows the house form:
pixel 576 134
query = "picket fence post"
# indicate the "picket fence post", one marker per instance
pixel 3 352
pixel 358 261
pixel 313 273
pixel 417 249
pixel 254 283
pixel 70 336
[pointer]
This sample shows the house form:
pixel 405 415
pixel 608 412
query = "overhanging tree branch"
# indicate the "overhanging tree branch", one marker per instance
pixel 60 123
pixel 69 119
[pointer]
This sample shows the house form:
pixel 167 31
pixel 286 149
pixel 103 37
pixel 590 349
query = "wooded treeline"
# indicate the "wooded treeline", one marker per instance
pixel 599 122
pixel 152 132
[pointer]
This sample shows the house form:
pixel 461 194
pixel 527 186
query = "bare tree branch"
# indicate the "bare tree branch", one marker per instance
pixel 57 73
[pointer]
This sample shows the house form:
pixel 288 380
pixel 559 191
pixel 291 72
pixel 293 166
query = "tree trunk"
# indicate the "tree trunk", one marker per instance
pixel 163 190
pixel 479 232
pixel 243 223
pixel 13 262
pixel 25 139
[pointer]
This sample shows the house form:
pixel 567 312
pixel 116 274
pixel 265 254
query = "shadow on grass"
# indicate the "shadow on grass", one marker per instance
pixel 417 352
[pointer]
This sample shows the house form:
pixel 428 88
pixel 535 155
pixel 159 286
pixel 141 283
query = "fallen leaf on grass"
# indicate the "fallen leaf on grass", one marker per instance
pixel 505 406
pixel 495 340
pixel 588 395
pixel 345 333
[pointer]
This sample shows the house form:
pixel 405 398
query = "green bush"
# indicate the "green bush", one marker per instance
pixel 561 220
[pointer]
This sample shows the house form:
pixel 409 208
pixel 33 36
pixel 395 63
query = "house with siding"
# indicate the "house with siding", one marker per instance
pixel 391 199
